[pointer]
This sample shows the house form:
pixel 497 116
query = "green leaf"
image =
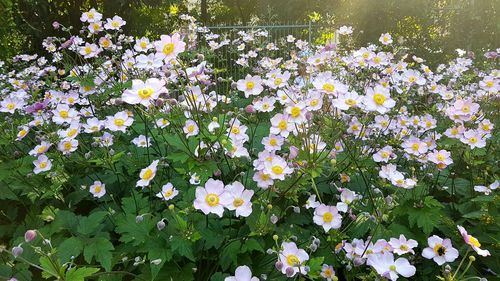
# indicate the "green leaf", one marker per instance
pixel 79 274
pixel 315 265
pixel 72 246
pixel 91 223
pixel 251 245
pixel 50 268
pixel 100 248
pixel 230 254
pixel 182 247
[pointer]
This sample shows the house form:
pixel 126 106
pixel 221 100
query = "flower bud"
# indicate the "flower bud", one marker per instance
pixel 296 209
pixel 30 235
pixel 313 247
pixel 160 225
pixel 171 207
pixel 249 109
pixel 290 272
pixel 294 152
pixel 17 251
pixel 56 25
pixel 275 237
pixel 274 219
pixel 472 258
pixel 278 265
pixel 139 219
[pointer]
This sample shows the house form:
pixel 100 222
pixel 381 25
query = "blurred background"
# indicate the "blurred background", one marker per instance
pixel 433 29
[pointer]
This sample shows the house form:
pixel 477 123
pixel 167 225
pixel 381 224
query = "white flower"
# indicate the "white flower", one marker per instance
pixel 378 99
pixel 119 122
pixel 42 164
pixel 440 250
pixel 251 85
pixel 144 92
pixel 115 23
pixel 328 217
pixel 191 128
pixel 212 198
pixel 98 189
pixel 293 257
pixel 240 198
pixel 242 273
pixel 167 192
pixel 147 174
pixel 487 189
pixel 385 265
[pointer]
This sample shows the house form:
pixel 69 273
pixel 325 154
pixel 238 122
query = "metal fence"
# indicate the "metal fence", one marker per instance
pixel 225 62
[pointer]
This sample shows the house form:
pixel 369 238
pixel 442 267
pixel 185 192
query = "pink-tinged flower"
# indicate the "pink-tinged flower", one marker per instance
pixel 487 189
pixel 66 146
pixel 95 27
pixel 272 142
pixel 91 16
pixel 265 104
pixel 293 258
pixel 328 217
pixel 385 39
pixel 98 189
pixel 325 83
pixel 311 202
pixel 170 47
pixel 378 99
pixel 89 50
pixel 277 168
pixel 240 198
pixel 296 112
pixel 473 138
pixel 384 155
pixel 414 146
pixel 147 174
pixel 280 125
pixel 11 104
pixel 119 122
pixel 485 126
pixel 42 164
pixel 142 141
pixel 347 196
pixel 441 158
pixel 440 250
pixel 191 128
pixel 387 267
pixel 142 45
pixel 347 100
pixel 473 242
pixel 144 92
pixel 455 132
pixel 242 273
pixel 64 114
pixel 402 245
pixel 262 179
pixel 167 192
pixel 251 85
pixel 212 198
pixel 345 30
pixel 40 148
pixel 327 272
pixel 22 133
pixel 115 23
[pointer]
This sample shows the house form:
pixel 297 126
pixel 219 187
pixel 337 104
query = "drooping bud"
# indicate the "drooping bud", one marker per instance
pixel 30 235
pixel 17 251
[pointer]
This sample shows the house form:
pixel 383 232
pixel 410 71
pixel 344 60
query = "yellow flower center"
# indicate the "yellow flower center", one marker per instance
pixel 489 84
pixel 235 130
pixel 145 93
pixel 115 24
pixel 119 122
pixel 466 109
pixel 403 247
pixel 278 81
pixel 474 241
pixel 22 133
pixel 67 145
pixel 328 272
pixel 277 170
pixel 168 48
pixel 328 87
pixel 63 113
pixel 97 189
pixel 440 157
pixel 384 154
pixel 168 193
pixel 41 149
pixel 472 140
pixel 295 112
pixel 250 85
pixel 314 102
pixel 292 260
pixel 282 125
pixel 143 44
pixel 379 99
pixel 412 79
pixel 10 106
pixel 415 146
pixel 392 268
pixel 328 217
pixel 43 165
pixel 439 249
pixel 350 102
pixel 90 15
pixel 72 132
pixel 190 128
pixel 148 174
pixel 212 199
pixel 87 50
pixel 273 142
pixel 238 202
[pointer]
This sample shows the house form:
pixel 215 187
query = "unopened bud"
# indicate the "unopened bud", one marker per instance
pixel 160 225
pixel 17 251
pixel 30 235
pixel 139 219
pixel 290 272
pixel 278 265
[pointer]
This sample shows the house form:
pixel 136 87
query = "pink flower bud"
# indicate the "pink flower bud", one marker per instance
pixel 249 109
pixel 56 25
pixel 30 235
pixel 17 251
pixel 294 151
